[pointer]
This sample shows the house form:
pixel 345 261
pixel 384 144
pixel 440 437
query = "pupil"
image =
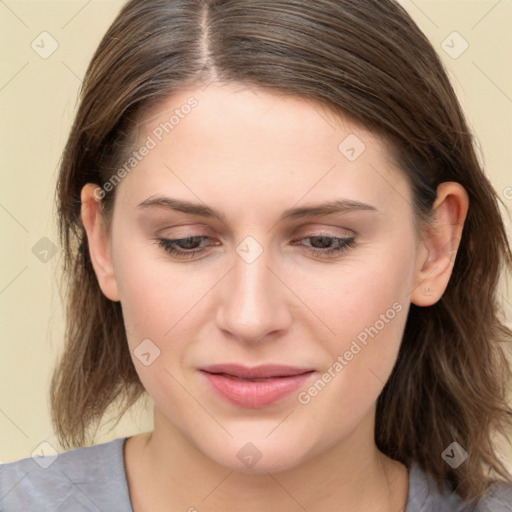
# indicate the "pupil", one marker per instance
pixel 326 241
pixel 188 243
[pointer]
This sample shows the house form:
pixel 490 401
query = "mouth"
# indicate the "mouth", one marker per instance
pixel 254 387
pixel 255 379
pixel 267 371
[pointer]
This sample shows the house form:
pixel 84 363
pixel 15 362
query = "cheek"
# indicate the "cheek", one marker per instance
pixel 352 295
pixel 158 313
pixel 366 305
pixel 155 296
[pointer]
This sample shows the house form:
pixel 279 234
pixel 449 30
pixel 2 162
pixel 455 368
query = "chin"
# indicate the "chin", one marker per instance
pixel 258 457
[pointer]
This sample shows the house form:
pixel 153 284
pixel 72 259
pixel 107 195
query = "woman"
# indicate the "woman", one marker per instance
pixel 276 225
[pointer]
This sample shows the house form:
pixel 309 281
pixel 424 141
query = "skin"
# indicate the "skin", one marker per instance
pixel 251 155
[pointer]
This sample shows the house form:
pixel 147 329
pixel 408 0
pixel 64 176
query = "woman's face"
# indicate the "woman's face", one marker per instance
pixel 263 283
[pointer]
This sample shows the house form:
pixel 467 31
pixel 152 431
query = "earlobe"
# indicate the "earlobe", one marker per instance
pixel 436 257
pixel 98 241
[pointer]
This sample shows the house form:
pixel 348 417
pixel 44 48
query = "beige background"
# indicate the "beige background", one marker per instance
pixel 38 100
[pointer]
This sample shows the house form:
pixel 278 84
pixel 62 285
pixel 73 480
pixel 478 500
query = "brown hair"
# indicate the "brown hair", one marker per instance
pixel 365 59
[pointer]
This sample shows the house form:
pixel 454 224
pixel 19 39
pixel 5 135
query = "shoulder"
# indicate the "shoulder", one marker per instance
pixel 425 497
pixel 82 479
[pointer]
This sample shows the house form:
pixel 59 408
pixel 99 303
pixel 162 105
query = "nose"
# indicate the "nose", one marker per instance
pixel 254 301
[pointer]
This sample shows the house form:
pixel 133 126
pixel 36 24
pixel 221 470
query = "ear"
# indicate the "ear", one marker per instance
pixel 440 243
pixel 98 240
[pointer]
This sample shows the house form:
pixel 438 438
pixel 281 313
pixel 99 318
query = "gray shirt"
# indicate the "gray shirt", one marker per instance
pixel 93 479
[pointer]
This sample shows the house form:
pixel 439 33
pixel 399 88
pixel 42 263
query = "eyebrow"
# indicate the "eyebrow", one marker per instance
pixel 328 208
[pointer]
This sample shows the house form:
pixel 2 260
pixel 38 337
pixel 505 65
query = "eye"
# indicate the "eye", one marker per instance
pixel 183 247
pixel 326 246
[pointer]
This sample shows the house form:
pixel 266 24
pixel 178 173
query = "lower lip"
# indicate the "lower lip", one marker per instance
pixel 255 394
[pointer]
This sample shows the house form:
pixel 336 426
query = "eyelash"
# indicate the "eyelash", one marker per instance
pixel 344 244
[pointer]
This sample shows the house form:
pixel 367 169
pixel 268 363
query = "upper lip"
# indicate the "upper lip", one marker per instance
pixel 264 371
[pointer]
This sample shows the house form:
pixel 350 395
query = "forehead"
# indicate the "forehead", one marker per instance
pixel 249 115
pixel 239 146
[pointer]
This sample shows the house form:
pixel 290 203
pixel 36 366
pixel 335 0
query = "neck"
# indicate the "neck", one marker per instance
pixel 168 472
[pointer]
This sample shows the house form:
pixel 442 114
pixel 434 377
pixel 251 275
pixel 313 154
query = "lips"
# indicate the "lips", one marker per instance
pixel 254 387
